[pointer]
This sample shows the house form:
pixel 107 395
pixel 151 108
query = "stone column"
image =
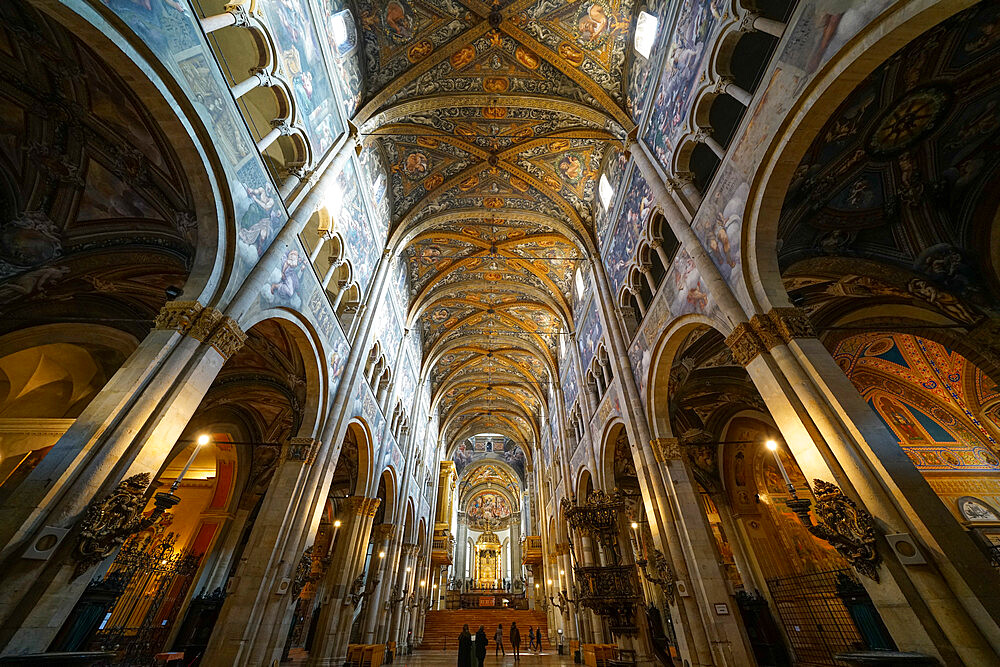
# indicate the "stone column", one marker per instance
pixel 236 14
pixel 515 547
pixel 121 433
pixel 377 576
pixel 279 127
pixel 836 438
pixel 461 546
pixel 257 607
pixel 333 627
pixel 259 77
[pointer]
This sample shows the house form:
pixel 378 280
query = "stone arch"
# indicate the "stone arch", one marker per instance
pixel 313 352
pixel 389 483
pixel 829 87
pixel 655 381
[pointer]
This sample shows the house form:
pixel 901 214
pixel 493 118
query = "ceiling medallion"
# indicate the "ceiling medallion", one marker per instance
pixel 910 119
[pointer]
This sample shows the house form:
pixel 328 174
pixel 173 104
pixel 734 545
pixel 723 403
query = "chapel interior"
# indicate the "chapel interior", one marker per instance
pixel 668 330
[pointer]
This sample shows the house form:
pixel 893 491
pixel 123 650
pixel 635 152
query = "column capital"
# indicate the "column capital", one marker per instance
pixel 766 331
pixel 746 22
pixel 266 78
pixel 218 330
pixel 703 134
pixel 281 125
pixel 666 449
pixel 240 13
pixel 721 85
pixel 302 450
pixel 744 344
pixel 383 531
pixel 362 506
pixel 792 323
pixel 178 316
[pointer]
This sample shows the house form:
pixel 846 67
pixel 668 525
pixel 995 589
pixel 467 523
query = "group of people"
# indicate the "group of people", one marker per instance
pixel 467 657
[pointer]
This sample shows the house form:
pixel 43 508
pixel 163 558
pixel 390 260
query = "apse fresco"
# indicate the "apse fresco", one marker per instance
pixel 590 334
pixel 472 451
pixel 920 390
pixel 300 56
pixel 619 251
pixel 347 67
pixel 696 27
pixel 488 508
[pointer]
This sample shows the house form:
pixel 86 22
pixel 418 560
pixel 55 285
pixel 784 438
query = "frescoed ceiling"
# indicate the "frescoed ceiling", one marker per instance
pixel 494 120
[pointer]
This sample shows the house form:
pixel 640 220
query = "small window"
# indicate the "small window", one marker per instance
pixel 645 33
pixel 579 283
pixel 605 191
pixel 343 31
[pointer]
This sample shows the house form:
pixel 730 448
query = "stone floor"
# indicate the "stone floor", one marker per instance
pixel 425 658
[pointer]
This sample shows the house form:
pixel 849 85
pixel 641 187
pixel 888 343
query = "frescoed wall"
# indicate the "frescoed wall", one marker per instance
pixel 346 56
pixel 641 70
pixel 590 334
pixel 301 62
pixel 172 32
pixel 697 24
pixel 568 378
pixel 619 251
pixel 361 247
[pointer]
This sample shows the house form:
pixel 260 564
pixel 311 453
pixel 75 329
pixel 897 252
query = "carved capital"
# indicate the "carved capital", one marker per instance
pixel 744 344
pixel 746 22
pixel 766 331
pixel 722 84
pixel 666 449
pixel 228 338
pixel 206 323
pixel 302 450
pixel 178 316
pixel 792 323
pixel 383 531
pixel 281 124
pixel 240 12
pixel 266 78
pixel 702 135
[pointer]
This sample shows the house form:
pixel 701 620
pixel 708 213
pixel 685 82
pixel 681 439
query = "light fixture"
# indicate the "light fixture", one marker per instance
pixel 203 439
pixel 536 585
pixel 771 445
pixel 407 569
pixel 549 582
pixel 561 573
pixel 381 554
pixel 423 583
pixel 336 524
pixel 634 525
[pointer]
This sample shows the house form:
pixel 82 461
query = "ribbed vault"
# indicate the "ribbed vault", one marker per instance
pixel 494 121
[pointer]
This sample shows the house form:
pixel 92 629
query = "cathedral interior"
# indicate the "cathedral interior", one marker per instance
pixel 668 329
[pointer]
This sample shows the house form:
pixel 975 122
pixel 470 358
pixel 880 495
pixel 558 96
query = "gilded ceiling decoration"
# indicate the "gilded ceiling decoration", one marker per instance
pixel 494 121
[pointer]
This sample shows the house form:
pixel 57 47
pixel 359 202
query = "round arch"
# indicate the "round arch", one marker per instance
pixel 829 87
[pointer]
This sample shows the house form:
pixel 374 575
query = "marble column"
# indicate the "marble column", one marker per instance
pixel 461 546
pixel 377 581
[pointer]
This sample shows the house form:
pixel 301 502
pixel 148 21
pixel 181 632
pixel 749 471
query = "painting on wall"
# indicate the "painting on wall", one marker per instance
pixel 590 334
pixel 697 24
pixel 488 508
pixel 342 37
pixel 301 61
pixel 361 247
pixel 570 384
pixel 172 32
pixel 620 250
pixel 479 448
pixel 687 292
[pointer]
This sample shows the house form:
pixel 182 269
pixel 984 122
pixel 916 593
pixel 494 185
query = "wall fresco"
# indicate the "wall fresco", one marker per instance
pixel 171 30
pixel 568 377
pixel 621 246
pixel 345 57
pixel 300 59
pixel 697 25
pixel 362 248
pixel 590 334
pixel 641 70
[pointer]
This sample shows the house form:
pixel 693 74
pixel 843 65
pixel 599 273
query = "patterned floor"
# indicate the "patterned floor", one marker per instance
pixel 426 658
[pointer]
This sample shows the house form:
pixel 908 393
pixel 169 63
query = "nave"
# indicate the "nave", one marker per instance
pixel 670 327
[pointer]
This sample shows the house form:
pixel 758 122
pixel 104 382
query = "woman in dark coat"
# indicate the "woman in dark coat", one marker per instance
pixel 465 647
pixel 515 640
pixel 481 645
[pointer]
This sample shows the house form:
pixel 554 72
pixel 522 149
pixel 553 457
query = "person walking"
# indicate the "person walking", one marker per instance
pixel 515 640
pixel 531 637
pixel 481 646
pixel 465 648
pixel 498 638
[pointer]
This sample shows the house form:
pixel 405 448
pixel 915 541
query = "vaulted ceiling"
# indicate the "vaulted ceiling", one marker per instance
pixel 494 121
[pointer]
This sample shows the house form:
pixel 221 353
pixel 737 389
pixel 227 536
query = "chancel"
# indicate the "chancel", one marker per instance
pixel 666 330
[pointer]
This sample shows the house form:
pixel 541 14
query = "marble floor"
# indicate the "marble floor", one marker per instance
pixel 425 658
